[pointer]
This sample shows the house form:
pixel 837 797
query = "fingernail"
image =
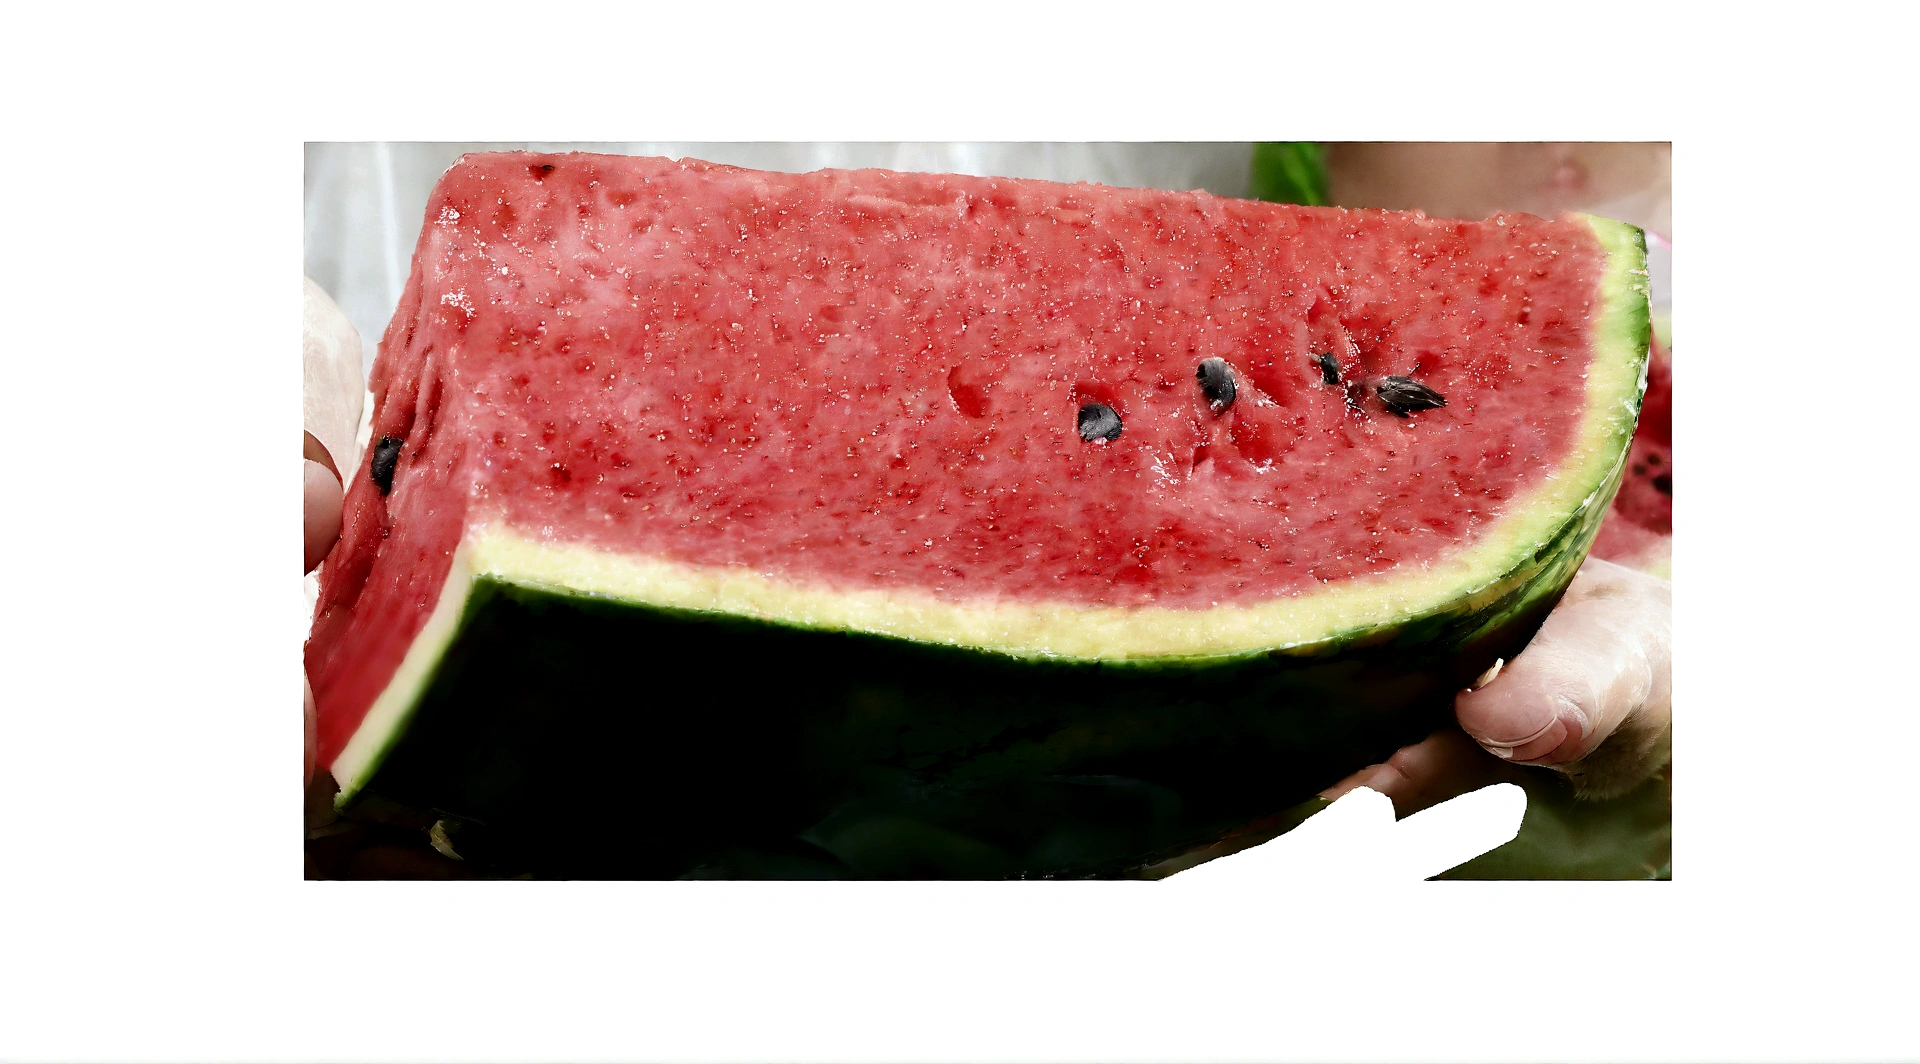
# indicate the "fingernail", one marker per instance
pixel 1576 719
pixel 1499 749
pixel 1571 721
pixel 1541 745
pixel 1487 676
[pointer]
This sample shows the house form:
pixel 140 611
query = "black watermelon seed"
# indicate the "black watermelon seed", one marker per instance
pixel 1404 395
pixel 1329 368
pixel 385 454
pixel 1099 422
pixel 548 167
pixel 1663 483
pixel 1216 383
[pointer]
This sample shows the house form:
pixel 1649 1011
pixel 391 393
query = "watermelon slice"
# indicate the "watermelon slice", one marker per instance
pixel 832 516
pixel 1639 530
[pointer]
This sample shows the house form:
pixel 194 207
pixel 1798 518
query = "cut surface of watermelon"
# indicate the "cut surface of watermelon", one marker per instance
pixel 1638 531
pixel 849 402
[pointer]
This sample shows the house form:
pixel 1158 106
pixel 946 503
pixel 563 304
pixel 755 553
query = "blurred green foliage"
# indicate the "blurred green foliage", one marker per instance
pixel 1289 172
pixel 1630 837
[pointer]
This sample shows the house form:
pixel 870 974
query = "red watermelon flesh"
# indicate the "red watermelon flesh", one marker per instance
pixel 867 380
pixel 1639 528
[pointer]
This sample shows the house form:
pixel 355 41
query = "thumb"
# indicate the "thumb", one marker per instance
pixel 311 727
pixel 1592 694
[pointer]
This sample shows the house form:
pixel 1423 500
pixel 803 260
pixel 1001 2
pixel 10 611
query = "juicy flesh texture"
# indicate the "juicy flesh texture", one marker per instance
pixel 1642 514
pixel 869 379
pixel 816 375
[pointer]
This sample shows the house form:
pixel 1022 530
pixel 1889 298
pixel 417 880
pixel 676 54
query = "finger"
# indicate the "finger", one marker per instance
pixel 312 728
pixel 333 386
pixel 323 503
pixel 1599 668
pixel 1443 765
pixel 312 449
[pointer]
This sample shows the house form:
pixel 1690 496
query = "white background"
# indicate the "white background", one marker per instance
pixel 149 812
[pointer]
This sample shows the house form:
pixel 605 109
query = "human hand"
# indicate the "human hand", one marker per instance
pixel 332 393
pixel 324 495
pixel 1628 181
pixel 1591 697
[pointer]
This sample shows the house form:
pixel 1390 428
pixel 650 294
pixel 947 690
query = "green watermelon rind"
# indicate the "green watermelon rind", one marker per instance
pixel 1530 566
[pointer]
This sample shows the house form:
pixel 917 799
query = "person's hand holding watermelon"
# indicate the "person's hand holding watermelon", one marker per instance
pixel 332 392
pixel 1590 697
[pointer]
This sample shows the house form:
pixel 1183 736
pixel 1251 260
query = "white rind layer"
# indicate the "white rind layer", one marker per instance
pixel 391 710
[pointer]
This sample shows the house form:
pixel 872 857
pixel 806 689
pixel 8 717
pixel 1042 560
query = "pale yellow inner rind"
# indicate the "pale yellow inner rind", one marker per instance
pixel 1029 629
